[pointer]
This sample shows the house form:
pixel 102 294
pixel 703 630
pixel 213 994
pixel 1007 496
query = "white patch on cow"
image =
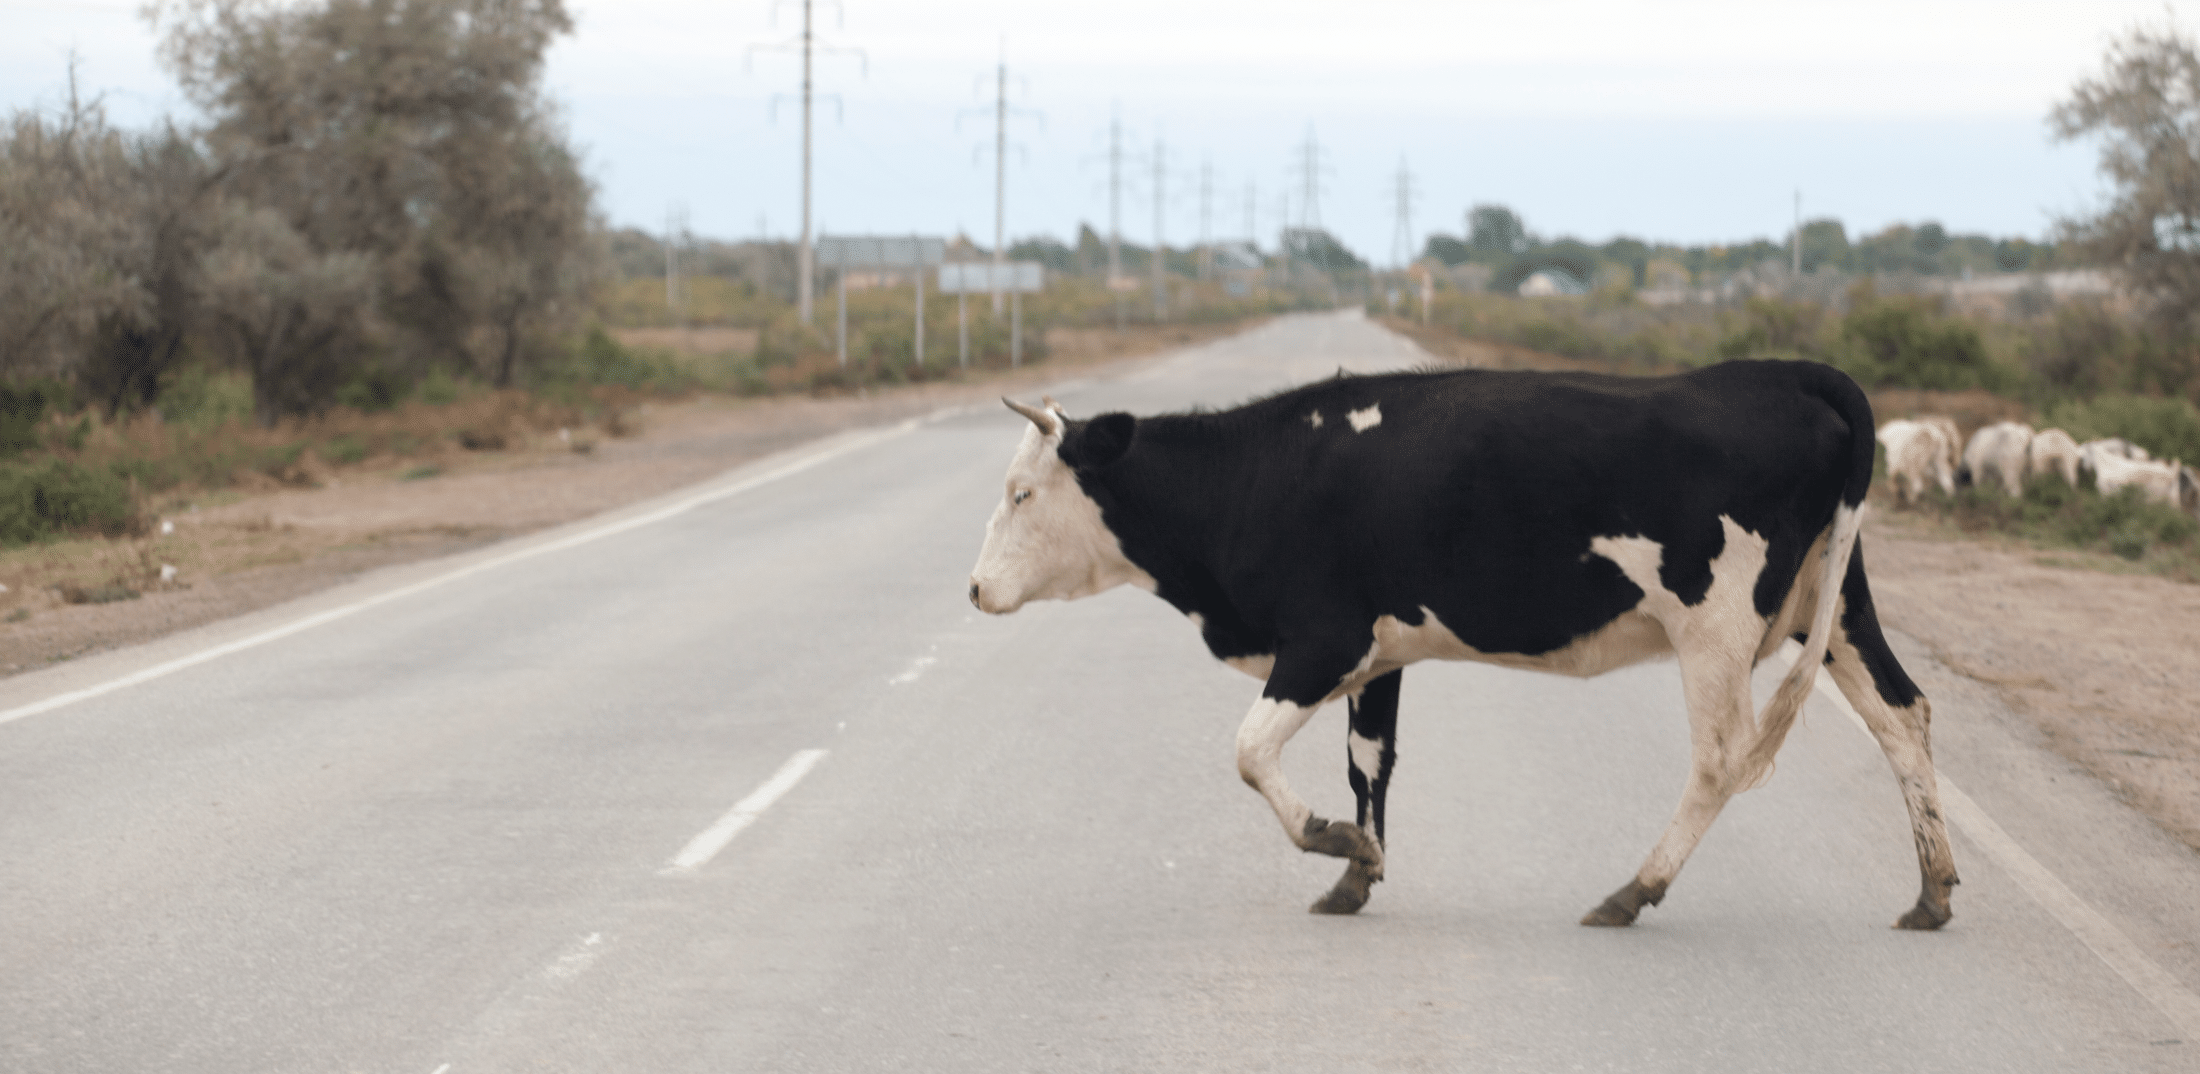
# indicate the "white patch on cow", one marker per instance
pixel 1655 627
pixel 1366 418
pixel 1367 754
pixel 1314 419
pixel 1260 739
pixel 1046 540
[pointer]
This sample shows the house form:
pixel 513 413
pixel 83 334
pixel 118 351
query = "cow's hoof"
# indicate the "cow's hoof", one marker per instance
pixel 1350 893
pixel 1620 908
pixel 1924 917
pixel 1341 840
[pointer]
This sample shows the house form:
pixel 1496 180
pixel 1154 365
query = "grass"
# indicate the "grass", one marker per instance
pixel 2124 532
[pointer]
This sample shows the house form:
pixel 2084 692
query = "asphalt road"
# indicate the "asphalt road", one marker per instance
pixel 425 823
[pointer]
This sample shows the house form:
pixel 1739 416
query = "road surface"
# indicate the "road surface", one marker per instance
pixel 517 811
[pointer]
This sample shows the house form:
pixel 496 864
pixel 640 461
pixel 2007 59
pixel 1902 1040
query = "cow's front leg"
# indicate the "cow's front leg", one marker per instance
pixel 1293 692
pixel 1371 749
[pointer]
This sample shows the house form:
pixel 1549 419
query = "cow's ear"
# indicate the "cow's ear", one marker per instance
pixel 1090 445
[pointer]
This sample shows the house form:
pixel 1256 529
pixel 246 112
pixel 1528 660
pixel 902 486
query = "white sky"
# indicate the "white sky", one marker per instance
pixel 1693 121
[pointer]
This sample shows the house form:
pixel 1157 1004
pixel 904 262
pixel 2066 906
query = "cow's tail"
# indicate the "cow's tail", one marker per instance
pixel 1847 400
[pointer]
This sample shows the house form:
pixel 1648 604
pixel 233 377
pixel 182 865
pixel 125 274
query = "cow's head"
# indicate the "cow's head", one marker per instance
pixel 1046 540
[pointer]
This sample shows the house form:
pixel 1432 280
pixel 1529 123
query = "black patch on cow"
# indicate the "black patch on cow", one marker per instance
pixel 1099 442
pixel 1861 624
pixel 1477 498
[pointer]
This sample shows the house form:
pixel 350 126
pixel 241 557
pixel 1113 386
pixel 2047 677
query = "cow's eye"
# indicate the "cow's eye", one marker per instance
pixel 1021 496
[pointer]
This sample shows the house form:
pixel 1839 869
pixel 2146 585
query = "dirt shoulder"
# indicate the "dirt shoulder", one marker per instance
pixel 237 552
pixel 2106 665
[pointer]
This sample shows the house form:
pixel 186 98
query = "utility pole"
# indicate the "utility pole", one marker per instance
pixel 1252 204
pixel 804 269
pixel 806 43
pixel 1000 111
pixel 1206 219
pixel 1115 214
pixel 1000 179
pixel 675 226
pixel 1797 244
pixel 1160 288
pixel 1401 236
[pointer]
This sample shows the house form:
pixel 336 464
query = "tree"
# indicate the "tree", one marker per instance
pixel 56 279
pixel 284 308
pixel 1496 231
pixel 411 132
pixel 2144 108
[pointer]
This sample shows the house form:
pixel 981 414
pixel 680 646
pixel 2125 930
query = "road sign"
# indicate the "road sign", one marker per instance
pixel 880 251
pixel 981 277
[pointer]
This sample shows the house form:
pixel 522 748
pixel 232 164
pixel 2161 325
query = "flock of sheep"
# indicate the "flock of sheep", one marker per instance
pixel 1922 451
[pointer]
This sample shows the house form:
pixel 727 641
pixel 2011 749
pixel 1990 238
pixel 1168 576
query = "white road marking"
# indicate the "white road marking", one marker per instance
pixel 913 671
pixel 713 839
pixel 576 540
pixel 575 960
pixel 441 1069
pixel 2153 983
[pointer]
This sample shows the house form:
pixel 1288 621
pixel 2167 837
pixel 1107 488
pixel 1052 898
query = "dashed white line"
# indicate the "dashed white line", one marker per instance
pixel 913 671
pixel 2153 983
pixel 713 839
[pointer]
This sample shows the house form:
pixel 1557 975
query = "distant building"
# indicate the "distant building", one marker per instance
pixel 1551 281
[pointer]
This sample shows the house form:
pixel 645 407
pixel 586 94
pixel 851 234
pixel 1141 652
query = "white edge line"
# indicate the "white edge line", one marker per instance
pixel 701 849
pixel 2153 983
pixel 584 537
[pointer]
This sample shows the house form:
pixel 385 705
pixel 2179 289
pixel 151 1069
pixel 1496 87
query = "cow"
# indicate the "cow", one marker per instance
pixel 1323 538
pixel 1997 451
pixel 2052 451
pixel 2158 481
pixel 2117 446
pixel 1918 454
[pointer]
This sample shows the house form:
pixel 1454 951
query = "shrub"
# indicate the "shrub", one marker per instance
pixel 1905 341
pixel 204 399
pixel 40 502
pixel 21 406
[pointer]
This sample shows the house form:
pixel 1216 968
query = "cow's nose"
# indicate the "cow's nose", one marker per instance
pixel 974 597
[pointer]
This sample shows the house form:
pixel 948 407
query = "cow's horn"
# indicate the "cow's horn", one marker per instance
pixel 1040 418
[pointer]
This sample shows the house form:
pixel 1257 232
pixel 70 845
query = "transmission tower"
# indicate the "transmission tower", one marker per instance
pixel 1401 235
pixel 1311 169
pixel 807 44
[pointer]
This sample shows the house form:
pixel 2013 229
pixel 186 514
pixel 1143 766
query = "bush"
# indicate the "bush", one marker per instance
pixel 21 406
pixel 2170 428
pixel 41 502
pixel 1905 341
pixel 203 399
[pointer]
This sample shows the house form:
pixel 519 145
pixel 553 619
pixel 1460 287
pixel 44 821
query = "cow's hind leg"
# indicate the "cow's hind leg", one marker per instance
pixel 1295 689
pixel 1900 717
pixel 1371 748
pixel 1721 726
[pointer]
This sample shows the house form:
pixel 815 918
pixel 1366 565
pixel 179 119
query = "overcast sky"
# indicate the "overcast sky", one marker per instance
pixel 1689 121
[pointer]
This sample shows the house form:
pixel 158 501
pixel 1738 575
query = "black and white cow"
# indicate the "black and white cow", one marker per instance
pixel 1324 538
